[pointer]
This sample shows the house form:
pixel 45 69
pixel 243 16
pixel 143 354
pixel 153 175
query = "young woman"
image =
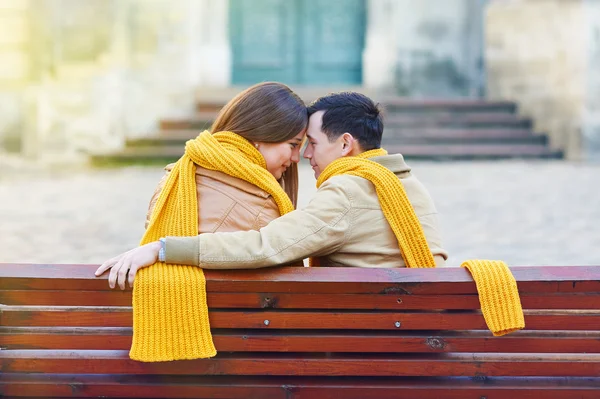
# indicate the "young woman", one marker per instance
pixel 244 169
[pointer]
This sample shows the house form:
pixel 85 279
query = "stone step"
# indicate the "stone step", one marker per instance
pixel 475 151
pixel 418 128
pixel 221 95
pixel 171 153
pixel 451 140
pixel 392 135
pixel 203 120
pixel 442 134
pixel 407 105
pixel 399 104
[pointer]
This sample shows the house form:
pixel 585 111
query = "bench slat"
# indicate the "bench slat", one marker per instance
pixel 325 341
pixel 454 364
pixel 273 319
pixel 264 300
pixel 568 279
pixel 62 386
pixel 274 387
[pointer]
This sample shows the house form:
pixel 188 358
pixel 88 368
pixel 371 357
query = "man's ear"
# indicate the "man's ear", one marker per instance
pixel 347 144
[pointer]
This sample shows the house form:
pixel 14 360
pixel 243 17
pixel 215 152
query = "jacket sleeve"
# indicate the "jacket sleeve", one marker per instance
pixel 317 230
pixel 430 226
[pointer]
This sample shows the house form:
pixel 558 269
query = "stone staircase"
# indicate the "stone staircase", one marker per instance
pixel 419 129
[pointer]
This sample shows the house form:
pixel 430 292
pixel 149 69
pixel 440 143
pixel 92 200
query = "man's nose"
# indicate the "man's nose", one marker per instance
pixel 307 154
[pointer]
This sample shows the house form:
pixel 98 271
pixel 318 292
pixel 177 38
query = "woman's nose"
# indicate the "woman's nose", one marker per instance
pixel 296 156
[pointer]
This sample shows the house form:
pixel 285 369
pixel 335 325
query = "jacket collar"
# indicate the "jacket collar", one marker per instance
pixel 228 180
pixel 394 162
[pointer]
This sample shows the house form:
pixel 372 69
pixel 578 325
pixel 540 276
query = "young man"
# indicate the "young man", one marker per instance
pixel 343 225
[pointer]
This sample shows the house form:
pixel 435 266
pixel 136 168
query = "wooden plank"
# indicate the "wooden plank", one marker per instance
pixel 65 298
pixel 433 365
pixel 278 300
pixel 29 316
pixel 111 386
pixel 568 279
pixel 294 387
pixel 318 341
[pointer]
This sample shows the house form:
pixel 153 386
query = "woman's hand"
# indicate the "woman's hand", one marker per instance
pixel 128 263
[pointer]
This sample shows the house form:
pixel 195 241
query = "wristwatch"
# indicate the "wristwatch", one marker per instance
pixel 161 251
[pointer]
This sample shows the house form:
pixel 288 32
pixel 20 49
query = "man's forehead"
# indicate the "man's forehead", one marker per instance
pixel 318 114
pixel 315 123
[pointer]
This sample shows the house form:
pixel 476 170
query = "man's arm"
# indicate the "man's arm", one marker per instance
pixel 317 230
pixel 430 226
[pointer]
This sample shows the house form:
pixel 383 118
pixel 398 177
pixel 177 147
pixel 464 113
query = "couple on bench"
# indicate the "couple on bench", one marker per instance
pixel 229 202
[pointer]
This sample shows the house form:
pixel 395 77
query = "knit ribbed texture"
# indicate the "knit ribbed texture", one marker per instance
pixel 497 288
pixel 170 313
pixel 498 295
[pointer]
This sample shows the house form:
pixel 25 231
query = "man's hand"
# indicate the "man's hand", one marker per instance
pixel 128 263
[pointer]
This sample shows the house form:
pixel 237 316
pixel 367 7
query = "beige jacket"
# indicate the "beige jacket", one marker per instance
pixel 343 223
pixel 225 203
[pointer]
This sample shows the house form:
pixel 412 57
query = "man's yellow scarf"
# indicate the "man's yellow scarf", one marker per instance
pixel 170 314
pixel 497 288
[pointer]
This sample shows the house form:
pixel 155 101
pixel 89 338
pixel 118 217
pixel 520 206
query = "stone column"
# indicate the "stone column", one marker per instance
pixel 14 42
pixel 591 122
pixel 475 48
pixel 210 46
pixel 379 55
pixel 15 70
pixel 164 69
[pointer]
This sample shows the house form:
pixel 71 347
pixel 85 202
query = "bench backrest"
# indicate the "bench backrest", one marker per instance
pixel 307 333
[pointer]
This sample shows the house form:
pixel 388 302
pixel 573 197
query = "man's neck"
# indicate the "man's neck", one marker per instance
pixel 356 150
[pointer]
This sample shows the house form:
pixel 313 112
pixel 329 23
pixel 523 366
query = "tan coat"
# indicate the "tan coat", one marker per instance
pixel 225 203
pixel 343 223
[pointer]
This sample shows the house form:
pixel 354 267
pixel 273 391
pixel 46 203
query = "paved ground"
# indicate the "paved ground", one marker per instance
pixel 526 213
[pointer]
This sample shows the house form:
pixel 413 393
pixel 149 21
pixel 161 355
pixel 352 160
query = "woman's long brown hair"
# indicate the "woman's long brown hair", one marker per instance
pixel 268 112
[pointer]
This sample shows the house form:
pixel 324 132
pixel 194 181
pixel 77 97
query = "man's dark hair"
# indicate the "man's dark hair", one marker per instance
pixel 350 112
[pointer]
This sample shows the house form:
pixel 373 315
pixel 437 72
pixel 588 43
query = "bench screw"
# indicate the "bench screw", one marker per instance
pixel 266 322
pixel 397 324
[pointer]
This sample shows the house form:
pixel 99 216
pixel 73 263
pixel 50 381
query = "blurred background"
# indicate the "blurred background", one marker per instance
pixel 495 104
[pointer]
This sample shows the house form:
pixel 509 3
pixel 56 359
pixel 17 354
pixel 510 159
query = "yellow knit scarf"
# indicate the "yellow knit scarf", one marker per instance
pixel 170 314
pixel 496 286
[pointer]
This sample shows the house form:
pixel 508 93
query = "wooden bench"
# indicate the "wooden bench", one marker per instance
pixel 307 333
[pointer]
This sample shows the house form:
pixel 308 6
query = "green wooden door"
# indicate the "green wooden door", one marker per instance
pixel 333 41
pixel 316 42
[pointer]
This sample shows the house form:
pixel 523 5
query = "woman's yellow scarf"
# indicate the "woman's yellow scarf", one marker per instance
pixel 170 313
pixel 497 288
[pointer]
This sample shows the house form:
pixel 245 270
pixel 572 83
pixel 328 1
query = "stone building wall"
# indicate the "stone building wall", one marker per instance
pixel 428 48
pixel 536 55
pixel 96 72
pixel 84 75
